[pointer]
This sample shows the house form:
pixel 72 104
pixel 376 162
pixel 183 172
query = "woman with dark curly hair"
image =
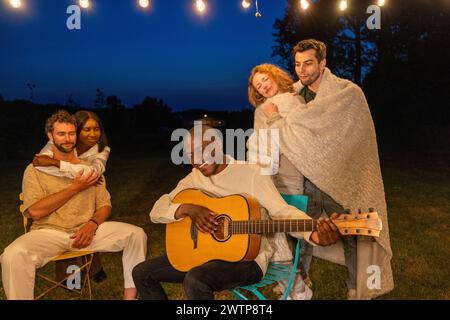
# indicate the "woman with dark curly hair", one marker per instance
pixel 92 148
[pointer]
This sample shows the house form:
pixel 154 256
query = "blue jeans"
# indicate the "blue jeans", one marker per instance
pixel 317 202
pixel 199 283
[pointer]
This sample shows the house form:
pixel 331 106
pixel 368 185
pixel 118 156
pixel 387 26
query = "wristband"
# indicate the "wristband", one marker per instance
pixel 94 222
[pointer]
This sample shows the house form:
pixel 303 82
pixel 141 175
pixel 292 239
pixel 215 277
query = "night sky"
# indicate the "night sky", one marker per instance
pixel 168 52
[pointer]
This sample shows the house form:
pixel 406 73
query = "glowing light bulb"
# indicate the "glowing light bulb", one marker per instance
pixel 304 4
pixel 84 4
pixel 144 3
pixel 381 3
pixel 257 14
pixel 201 6
pixel 16 4
pixel 246 4
pixel 343 5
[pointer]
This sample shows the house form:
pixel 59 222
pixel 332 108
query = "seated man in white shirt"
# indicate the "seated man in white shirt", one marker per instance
pixel 220 178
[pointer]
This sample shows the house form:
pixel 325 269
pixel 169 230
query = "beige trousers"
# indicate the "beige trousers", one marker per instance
pixel 37 247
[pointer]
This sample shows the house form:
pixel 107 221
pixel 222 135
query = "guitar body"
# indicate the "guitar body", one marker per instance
pixel 187 247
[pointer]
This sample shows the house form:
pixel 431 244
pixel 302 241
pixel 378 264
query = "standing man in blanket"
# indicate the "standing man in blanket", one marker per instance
pixel 332 142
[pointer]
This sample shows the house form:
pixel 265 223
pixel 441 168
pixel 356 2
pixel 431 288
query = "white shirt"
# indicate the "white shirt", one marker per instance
pixel 238 178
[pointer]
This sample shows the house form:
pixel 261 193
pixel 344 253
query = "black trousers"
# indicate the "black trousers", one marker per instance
pixel 199 283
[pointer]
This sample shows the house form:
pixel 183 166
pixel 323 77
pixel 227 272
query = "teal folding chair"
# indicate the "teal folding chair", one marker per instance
pixel 275 271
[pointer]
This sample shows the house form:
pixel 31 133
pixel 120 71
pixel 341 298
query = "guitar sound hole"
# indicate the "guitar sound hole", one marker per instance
pixel 222 233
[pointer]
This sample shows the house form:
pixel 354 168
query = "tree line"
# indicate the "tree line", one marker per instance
pixel 403 67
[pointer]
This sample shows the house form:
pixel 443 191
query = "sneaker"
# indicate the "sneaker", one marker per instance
pixel 351 294
pixel 278 289
pixel 305 295
pixel 308 282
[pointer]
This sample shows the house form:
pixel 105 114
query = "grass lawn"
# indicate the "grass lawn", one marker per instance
pixel 417 191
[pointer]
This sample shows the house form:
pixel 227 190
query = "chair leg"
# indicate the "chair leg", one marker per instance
pixel 258 294
pixel 56 284
pixel 241 296
pixel 238 295
pixel 88 278
pixel 86 265
pixel 294 270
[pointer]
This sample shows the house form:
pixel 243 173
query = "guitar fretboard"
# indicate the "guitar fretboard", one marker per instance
pixel 271 226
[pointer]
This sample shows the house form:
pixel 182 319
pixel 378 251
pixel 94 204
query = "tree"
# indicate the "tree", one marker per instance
pixel 70 101
pixel 31 87
pixel 99 101
pixel 152 104
pixel 412 69
pixel 152 114
pixel 403 67
pixel 114 103
pixel 351 51
pixel 298 25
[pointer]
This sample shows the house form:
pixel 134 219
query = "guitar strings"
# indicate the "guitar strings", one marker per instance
pixel 272 226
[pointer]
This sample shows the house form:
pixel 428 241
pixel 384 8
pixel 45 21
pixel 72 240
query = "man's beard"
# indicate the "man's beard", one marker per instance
pixel 311 79
pixel 62 149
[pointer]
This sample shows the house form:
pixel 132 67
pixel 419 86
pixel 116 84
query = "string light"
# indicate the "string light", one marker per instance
pixel 246 4
pixel 16 4
pixel 84 4
pixel 343 5
pixel 257 14
pixel 144 3
pixel 304 4
pixel 201 6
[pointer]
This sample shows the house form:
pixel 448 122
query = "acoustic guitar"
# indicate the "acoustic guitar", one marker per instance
pixel 239 230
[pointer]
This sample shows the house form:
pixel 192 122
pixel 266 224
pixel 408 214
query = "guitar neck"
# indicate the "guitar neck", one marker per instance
pixel 271 226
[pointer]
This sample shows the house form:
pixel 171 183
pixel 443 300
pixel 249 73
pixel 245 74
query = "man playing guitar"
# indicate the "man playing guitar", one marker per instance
pixel 221 178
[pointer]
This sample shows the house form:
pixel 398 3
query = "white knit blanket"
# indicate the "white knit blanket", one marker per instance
pixel 332 142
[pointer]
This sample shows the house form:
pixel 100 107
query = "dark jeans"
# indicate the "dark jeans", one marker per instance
pixel 199 283
pixel 319 201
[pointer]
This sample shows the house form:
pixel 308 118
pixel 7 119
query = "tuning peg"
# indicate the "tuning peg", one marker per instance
pixel 359 210
pixel 371 209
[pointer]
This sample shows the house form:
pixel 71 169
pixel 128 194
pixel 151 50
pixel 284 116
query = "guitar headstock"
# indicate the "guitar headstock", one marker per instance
pixel 360 224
